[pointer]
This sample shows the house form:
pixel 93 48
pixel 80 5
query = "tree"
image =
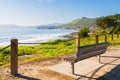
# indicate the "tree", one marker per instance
pixel 115 30
pixel 106 22
pixel 109 22
pixel 84 32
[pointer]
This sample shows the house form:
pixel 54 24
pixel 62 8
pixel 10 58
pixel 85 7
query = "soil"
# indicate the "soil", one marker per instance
pixel 36 70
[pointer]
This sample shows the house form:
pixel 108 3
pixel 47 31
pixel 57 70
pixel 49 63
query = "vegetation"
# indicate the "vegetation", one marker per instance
pixel 51 49
pixel 84 32
pixel 110 23
pixel 80 23
pixel 48 50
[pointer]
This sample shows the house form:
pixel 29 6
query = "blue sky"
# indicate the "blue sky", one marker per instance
pixel 38 12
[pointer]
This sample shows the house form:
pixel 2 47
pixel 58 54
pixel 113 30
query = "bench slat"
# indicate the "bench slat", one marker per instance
pixel 91 54
pixel 91 50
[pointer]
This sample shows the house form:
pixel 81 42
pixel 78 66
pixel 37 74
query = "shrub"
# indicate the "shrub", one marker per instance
pixel 84 32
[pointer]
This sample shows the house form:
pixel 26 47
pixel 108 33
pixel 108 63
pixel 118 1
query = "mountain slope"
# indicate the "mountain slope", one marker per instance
pixel 80 22
pixel 50 26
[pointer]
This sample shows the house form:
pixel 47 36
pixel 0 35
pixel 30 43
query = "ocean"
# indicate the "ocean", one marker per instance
pixel 30 34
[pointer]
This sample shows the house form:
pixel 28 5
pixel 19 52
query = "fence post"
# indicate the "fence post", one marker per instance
pixel 118 35
pixel 105 38
pixel 77 42
pixel 14 56
pixel 112 37
pixel 97 39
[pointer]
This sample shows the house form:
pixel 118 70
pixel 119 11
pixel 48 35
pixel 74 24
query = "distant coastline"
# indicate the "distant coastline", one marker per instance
pixel 31 35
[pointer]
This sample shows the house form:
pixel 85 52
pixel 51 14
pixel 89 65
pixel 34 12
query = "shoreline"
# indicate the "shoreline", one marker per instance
pixel 46 39
pixel 70 35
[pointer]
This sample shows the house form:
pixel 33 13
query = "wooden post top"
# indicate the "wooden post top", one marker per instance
pixel 77 41
pixel 14 40
pixel 112 37
pixel 105 37
pixel 77 36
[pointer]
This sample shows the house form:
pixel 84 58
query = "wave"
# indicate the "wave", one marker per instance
pixel 32 38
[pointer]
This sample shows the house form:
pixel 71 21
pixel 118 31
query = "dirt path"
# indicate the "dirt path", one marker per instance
pixel 34 71
pixel 37 70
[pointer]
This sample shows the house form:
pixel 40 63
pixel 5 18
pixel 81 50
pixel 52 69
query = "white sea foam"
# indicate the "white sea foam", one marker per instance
pixel 40 38
pixel 34 38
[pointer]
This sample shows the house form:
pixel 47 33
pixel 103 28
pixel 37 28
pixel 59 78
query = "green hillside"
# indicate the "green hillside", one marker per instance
pixel 80 22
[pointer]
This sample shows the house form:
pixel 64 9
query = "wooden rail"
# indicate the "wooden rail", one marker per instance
pixel 5 47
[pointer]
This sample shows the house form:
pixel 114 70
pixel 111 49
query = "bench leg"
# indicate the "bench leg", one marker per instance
pixel 99 59
pixel 72 68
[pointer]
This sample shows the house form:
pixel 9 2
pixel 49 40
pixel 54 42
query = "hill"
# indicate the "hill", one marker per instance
pixel 50 26
pixel 80 22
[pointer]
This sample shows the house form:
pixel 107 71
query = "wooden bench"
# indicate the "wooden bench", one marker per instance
pixel 85 52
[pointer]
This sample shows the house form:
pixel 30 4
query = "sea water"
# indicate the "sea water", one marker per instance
pixel 30 34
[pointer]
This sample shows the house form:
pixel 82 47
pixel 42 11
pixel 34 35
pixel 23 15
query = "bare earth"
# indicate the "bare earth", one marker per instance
pixel 37 70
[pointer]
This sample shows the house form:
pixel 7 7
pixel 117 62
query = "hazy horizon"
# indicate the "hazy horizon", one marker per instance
pixel 43 12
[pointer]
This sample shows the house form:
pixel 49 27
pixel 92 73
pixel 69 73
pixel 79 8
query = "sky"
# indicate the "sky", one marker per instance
pixel 42 12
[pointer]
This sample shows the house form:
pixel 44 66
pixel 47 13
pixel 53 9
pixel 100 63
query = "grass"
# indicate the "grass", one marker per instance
pixel 51 49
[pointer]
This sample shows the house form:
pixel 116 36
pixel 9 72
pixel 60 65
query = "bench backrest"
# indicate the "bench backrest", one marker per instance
pixel 91 50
